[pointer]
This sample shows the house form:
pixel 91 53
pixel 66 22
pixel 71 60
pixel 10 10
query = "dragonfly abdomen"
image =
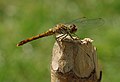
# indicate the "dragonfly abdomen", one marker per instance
pixel 47 33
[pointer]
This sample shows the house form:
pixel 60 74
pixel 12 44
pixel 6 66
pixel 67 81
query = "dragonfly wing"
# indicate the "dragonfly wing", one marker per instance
pixel 84 22
pixel 77 20
pixel 87 26
pixel 92 22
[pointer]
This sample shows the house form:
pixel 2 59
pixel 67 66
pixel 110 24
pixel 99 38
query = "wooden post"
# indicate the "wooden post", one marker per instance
pixel 74 61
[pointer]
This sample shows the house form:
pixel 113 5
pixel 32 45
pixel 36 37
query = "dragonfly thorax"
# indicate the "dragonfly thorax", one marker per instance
pixel 65 28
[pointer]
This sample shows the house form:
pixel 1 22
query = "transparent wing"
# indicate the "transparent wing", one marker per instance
pixel 88 27
pixel 85 22
pixel 77 20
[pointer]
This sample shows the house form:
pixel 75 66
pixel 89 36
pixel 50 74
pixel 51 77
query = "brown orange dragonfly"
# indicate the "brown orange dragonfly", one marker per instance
pixel 66 29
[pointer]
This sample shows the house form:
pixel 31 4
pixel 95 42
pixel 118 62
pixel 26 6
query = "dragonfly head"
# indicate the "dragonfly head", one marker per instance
pixel 72 28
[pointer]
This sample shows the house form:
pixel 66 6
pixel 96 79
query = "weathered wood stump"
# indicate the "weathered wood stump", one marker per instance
pixel 74 61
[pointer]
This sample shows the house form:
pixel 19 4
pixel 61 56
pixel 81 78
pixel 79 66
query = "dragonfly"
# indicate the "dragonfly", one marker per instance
pixel 66 28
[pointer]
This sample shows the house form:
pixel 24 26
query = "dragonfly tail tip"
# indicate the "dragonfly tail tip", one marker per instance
pixel 18 45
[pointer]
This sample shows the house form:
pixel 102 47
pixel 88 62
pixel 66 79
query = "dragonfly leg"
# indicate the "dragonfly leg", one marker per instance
pixel 75 35
pixel 64 37
pixel 70 36
pixel 59 36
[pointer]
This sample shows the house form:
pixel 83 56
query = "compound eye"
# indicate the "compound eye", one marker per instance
pixel 72 26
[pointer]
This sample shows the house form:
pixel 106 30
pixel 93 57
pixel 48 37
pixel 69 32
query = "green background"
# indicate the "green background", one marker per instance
pixel 20 19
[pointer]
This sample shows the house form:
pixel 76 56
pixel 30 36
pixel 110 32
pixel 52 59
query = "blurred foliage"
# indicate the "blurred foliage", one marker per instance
pixel 20 19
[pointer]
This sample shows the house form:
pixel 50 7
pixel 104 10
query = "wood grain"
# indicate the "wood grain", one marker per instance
pixel 74 61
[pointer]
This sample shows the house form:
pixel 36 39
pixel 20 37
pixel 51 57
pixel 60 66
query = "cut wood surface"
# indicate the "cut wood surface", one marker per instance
pixel 74 61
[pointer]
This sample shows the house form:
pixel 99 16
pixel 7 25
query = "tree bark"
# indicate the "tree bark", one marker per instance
pixel 74 61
